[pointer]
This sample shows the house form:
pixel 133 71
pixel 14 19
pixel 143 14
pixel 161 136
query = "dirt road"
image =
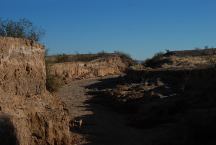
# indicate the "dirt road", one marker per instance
pixel 102 126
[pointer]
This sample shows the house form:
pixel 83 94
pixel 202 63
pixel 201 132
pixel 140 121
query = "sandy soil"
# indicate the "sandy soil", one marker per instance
pixel 102 126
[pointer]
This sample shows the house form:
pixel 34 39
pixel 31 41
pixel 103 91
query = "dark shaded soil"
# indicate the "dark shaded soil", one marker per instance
pixel 168 107
pixel 101 125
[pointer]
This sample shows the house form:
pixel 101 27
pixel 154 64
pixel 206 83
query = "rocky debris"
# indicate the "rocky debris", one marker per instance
pixel 36 116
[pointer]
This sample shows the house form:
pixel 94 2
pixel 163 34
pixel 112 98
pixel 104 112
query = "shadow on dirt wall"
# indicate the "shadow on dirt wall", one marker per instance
pixel 7 132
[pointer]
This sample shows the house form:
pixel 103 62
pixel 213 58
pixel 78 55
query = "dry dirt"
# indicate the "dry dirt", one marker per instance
pixel 102 126
pixel 29 115
pixel 100 67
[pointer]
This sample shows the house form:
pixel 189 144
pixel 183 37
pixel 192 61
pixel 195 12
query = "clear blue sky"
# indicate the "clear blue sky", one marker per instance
pixel 137 27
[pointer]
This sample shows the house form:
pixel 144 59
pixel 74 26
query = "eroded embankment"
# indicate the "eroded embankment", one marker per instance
pixel 103 66
pixel 36 116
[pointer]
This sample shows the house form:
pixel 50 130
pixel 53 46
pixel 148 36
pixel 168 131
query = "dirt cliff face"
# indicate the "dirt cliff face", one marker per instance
pixel 36 116
pixel 112 65
pixel 22 67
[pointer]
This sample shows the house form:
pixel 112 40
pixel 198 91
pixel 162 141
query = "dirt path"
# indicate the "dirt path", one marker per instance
pixel 102 126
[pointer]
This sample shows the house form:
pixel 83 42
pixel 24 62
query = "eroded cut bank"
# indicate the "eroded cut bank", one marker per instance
pixel 36 116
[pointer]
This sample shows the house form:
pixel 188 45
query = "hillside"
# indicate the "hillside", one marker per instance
pixel 183 59
pixel 62 69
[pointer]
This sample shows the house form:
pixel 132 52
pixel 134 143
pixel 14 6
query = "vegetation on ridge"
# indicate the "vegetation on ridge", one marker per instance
pixel 22 28
pixel 88 57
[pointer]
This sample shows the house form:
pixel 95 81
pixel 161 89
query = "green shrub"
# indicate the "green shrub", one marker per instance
pixel 22 28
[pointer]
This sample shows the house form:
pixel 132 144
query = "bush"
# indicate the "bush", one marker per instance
pixel 22 28
pixel 155 61
pixel 158 55
pixel 52 82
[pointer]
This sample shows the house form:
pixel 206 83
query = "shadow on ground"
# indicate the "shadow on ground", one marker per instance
pixel 187 118
pixel 107 126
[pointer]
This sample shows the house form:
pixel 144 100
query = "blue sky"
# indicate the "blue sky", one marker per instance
pixel 138 27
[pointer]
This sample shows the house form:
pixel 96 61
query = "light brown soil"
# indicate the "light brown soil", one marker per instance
pixel 102 126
